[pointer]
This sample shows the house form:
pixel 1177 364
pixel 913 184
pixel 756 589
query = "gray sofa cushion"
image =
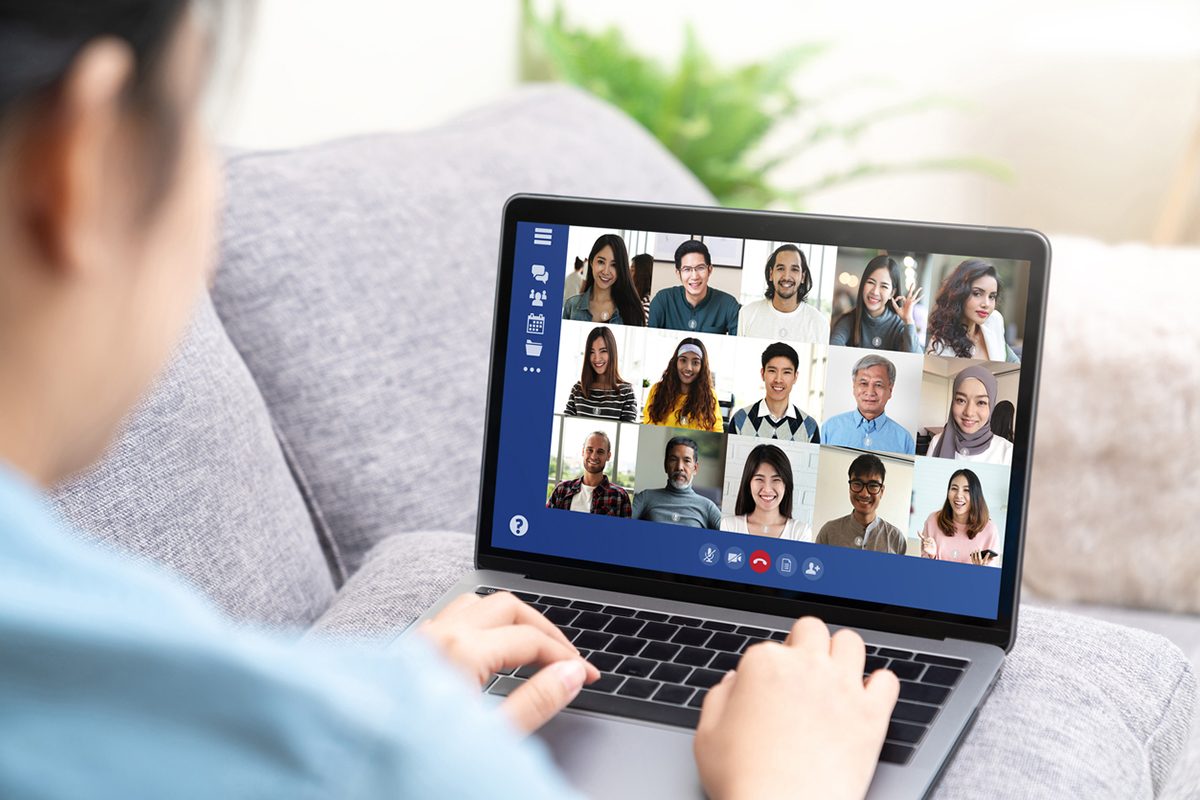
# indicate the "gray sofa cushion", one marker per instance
pixel 1083 708
pixel 197 481
pixel 357 281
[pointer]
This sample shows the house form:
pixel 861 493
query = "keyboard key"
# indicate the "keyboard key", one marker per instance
pixel 942 661
pixel 747 630
pixel 691 622
pixel 586 605
pixel 592 640
pixel 704 678
pixel 505 671
pixel 632 708
pixel 652 616
pixel 908 670
pixel 605 662
pixel 659 631
pixel 637 667
pixel 483 591
pixel 624 626
pixel 698 698
pixel 625 645
pixel 618 611
pixel 673 694
pixel 729 642
pixel 570 633
pixel 892 652
pixel 873 663
pixel 528 597
pixel 714 625
pixel 905 733
pixel 895 753
pixel 923 692
pixel 538 607
pixel 943 676
pixel 606 683
pixel 671 673
pixel 871 649
pixel 725 661
pixel 694 656
pixel 584 654
pixel 527 671
pixel 911 712
pixel 753 640
pixel 692 636
pixel 779 636
pixel 554 601
pixel 660 651
pixel 637 687
pixel 591 621
pixel 561 616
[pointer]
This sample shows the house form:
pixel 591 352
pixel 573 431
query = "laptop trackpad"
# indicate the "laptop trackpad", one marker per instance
pixel 605 757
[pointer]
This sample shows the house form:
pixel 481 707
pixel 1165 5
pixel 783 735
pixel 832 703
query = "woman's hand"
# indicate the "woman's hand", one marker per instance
pixel 928 546
pixel 981 558
pixel 485 634
pixel 903 304
pixel 796 719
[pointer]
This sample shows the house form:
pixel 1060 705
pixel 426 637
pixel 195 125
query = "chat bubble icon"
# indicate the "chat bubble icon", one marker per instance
pixel 539 273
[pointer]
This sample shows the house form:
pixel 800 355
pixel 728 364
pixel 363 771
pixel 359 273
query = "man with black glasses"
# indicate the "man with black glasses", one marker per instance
pixel 861 528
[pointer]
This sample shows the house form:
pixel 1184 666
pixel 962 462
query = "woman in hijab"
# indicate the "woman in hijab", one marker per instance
pixel 968 433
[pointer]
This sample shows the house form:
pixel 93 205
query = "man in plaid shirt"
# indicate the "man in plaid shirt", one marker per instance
pixel 592 492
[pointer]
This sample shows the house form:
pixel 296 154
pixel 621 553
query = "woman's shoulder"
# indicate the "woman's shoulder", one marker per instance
pixel 733 523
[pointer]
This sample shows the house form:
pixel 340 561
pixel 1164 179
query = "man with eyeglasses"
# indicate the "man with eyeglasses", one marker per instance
pixel 862 528
pixel 694 305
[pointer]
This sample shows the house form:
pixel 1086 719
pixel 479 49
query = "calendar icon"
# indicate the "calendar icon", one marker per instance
pixel 535 324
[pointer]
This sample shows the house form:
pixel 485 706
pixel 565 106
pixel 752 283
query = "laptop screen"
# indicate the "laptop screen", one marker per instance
pixel 822 419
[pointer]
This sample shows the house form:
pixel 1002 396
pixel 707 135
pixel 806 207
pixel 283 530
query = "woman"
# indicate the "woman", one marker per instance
pixel 607 294
pixel 684 398
pixel 764 501
pixel 968 434
pixel 882 318
pixel 119 678
pixel 964 322
pixel 962 530
pixel 600 391
pixel 1003 418
pixel 641 271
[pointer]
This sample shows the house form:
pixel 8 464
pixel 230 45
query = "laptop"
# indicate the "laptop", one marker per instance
pixel 629 438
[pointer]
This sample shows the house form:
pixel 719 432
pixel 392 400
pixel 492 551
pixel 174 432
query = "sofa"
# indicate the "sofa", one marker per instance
pixel 309 461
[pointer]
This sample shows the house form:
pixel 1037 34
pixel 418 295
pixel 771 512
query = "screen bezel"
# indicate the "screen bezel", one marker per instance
pixel 1010 243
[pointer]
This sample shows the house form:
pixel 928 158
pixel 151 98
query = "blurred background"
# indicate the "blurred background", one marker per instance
pixel 1073 117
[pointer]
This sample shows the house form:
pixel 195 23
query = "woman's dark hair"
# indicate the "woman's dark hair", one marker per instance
pixel 39 41
pixel 698 407
pixel 643 274
pixel 804 289
pixel 765 454
pixel 856 313
pixel 1003 418
pixel 946 329
pixel 977 516
pixel 625 298
pixel 588 379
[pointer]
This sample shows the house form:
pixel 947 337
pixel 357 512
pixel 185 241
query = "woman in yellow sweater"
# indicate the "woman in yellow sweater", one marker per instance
pixel 684 398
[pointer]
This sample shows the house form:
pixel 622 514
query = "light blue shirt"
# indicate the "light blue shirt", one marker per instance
pixel 117 681
pixel 851 429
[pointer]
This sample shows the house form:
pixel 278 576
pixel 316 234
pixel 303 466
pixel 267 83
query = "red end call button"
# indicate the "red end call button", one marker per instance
pixel 760 561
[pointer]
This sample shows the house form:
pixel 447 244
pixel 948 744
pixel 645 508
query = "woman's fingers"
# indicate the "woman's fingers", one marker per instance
pixel 545 694
pixel 503 608
pixel 714 702
pixel 518 645
pixel 848 651
pixel 809 632
pixel 883 687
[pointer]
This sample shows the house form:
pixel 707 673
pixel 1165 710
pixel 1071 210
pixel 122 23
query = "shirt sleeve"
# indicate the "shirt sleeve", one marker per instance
pixel 840 335
pixel 657 312
pixel 628 404
pixel 571 410
pixel 639 504
pixel 154 694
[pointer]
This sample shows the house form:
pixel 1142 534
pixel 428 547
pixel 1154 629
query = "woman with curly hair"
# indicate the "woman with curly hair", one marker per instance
pixel 607 294
pixel 882 317
pixel 964 322
pixel 684 398
pixel 963 516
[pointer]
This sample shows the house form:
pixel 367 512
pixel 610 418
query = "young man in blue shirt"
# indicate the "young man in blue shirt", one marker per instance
pixel 694 305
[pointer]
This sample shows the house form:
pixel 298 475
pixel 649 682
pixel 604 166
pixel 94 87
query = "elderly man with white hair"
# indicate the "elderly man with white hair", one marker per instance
pixel 867 427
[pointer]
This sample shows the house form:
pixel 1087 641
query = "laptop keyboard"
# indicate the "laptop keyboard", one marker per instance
pixel 658 667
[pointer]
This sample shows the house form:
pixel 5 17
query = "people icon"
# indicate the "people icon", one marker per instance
pixel 812 569
pixel 537 299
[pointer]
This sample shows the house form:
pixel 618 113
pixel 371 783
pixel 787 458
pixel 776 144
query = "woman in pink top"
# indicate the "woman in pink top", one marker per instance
pixel 962 530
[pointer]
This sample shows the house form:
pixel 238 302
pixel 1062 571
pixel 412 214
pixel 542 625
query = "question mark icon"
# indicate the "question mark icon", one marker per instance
pixel 518 525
